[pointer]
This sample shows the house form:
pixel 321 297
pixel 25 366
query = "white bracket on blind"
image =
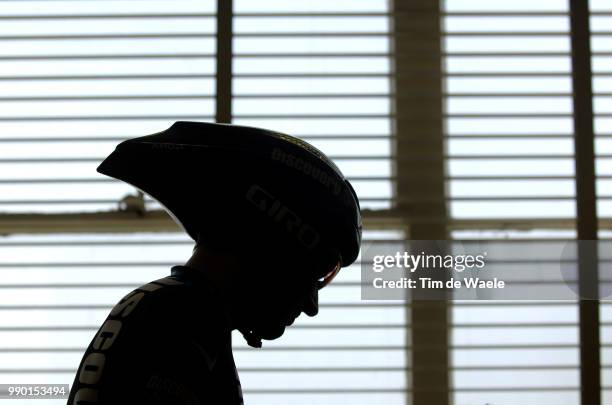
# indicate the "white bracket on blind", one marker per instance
pixel 133 203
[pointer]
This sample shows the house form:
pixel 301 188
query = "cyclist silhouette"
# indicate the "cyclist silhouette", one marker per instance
pixel 273 219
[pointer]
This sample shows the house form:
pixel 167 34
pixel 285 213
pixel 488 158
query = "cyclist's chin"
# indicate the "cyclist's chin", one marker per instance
pixel 271 331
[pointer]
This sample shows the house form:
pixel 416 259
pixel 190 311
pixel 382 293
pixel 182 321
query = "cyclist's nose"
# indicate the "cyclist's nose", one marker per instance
pixel 311 304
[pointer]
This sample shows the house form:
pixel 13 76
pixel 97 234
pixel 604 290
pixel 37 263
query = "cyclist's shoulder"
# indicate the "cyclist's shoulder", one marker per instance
pixel 140 301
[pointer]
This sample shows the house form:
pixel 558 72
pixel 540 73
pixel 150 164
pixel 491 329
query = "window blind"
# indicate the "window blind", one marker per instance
pixel 601 17
pixel 80 76
pixel 510 160
pixel 320 70
pixel 58 289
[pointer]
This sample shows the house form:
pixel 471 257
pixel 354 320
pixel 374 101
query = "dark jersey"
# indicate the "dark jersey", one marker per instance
pixel 166 342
